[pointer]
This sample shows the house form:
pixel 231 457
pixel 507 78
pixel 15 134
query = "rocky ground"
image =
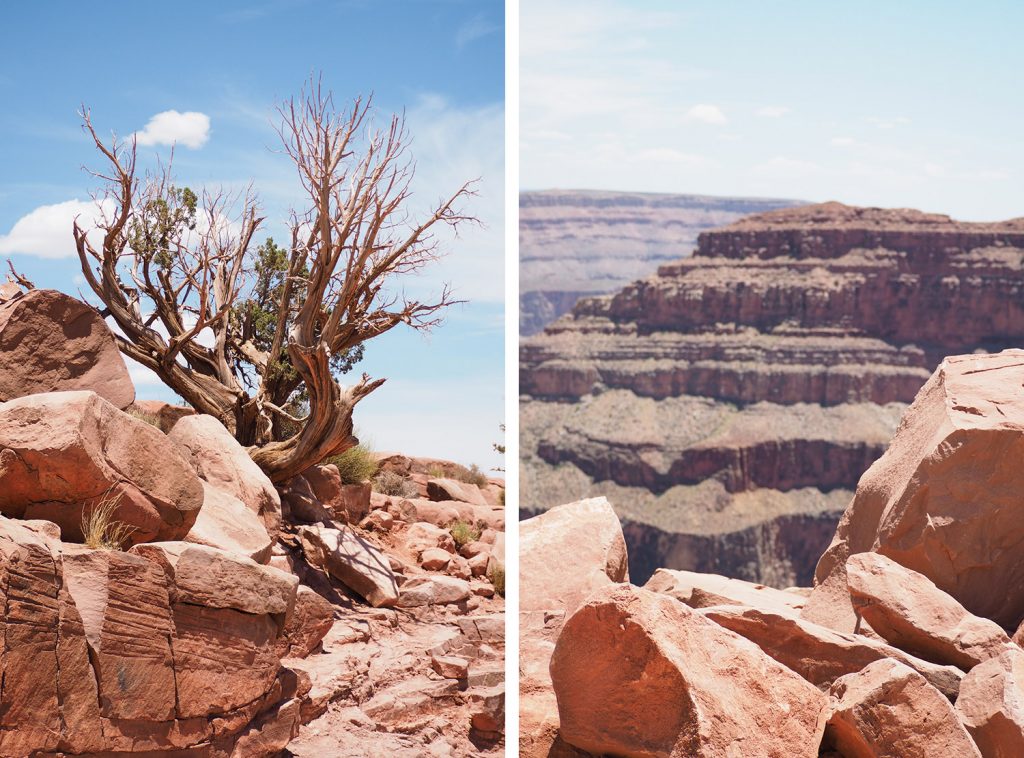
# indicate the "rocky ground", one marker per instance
pixel 575 243
pixel 229 617
pixel 908 645
pixel 729 404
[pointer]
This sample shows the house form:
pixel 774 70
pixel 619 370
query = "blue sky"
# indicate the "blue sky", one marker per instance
pixel 232 62
pixel 912 104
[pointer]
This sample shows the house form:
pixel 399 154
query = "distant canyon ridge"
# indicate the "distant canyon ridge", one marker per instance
pixel 729 403
pixel 574 243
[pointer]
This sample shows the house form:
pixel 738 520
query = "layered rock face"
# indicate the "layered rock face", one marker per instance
pixel 730 403
pixel 575 243
pixel 120 652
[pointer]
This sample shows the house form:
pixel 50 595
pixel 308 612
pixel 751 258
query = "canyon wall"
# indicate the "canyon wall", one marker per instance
pixel 575 243
pixel 730 403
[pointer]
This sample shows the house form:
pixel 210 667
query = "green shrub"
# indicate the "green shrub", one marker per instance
pixel 463 532
pixel 436 472
pixel 355 465
pixel 497 577
pixel 394 485
pixel 475 476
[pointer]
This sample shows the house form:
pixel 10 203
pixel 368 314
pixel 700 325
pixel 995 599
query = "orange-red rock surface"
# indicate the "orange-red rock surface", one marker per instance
pixel 223 622
pixel 902 649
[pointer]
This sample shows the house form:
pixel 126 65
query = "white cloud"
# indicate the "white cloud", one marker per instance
pixel 475 28
pixel 191 129
pixel 708 114
pixel 142 376
pixel 46 231
pixel 772 111
pixel 888 123
pixel 843 141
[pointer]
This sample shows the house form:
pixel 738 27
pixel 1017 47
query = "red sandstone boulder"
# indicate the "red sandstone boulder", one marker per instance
pixel 299 503
pixel 452 489
pixel 435 559
pixel 220 460
pixel 107 653
pixel 226 613
pixel 440 514
pixel 821 655
pixel 486 517
pixel 942 500
pixel 432 589
pixel 991 705
pixel 352 560
pixel 307 624
pixel 638 674
pixel 909 611
pixel 206 576
pixel 52 342
pixel 348 503
pixel 563 555
pixel 887 710
pixel 423 536
pixel 226 523
pixel 567 553
pixel 61 452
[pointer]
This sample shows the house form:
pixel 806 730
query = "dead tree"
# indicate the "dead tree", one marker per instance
pixel 251 336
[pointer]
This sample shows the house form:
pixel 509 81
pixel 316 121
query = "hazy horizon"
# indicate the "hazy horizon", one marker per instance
pixel 877 105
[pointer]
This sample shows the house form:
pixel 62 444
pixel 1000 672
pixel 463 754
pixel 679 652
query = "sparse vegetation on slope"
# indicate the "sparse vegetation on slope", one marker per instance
pixel 463 532
pixel 355 465
pixel 497 577
pixel 394 485
pixel 471 475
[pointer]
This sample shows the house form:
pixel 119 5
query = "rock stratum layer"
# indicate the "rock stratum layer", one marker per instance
pixel 730 403
pixel 575 243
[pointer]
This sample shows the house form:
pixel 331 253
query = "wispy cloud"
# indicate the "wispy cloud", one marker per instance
pixel 772 111
pixel 887 122
pixel 478 27
pixel 708 114
pixel 453 144
pixel 191 129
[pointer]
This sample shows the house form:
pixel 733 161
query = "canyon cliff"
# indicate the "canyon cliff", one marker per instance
pixel 575 243
pixel 730 403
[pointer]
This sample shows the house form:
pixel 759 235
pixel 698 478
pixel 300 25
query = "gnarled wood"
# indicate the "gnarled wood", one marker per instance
pixel 173 265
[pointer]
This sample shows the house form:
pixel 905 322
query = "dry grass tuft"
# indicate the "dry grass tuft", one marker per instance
pixel 394 485
pixel 497 577
pixel 141 415
pixel 99 528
